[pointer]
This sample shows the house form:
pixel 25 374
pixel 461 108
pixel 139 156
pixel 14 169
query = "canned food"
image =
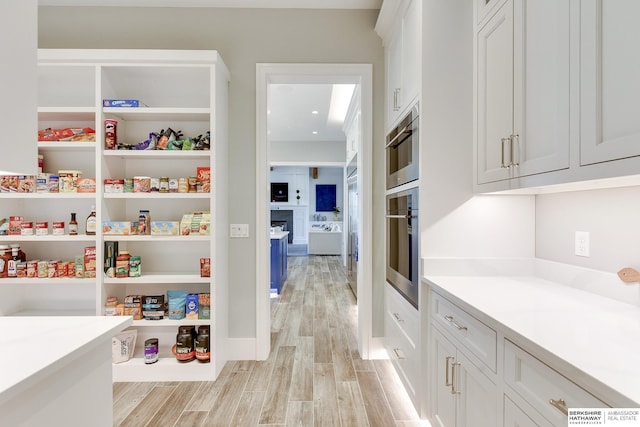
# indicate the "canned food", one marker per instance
pixel 151 351
pixel 42 228
pixel 26 228
pixel 58 228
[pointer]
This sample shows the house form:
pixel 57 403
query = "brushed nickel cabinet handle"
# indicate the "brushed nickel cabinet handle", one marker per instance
pixel 453 378
pixel 397 317
pixel 447 383
pixel 516 138
pixel 399 354
pixel 454 323
pixel 503 142
pixel 560 405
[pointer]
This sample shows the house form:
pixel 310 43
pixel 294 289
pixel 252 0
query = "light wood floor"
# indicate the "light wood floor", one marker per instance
pixel 313 377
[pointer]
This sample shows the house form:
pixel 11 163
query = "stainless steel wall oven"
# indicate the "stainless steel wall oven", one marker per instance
pixel 403 235
pixel 402 151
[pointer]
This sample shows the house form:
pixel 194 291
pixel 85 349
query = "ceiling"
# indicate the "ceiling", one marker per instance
pixel 296 111
pixel 269 4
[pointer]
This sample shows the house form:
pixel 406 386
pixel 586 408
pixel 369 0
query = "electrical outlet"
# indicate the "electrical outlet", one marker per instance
pixel 239 230
pixel 582 243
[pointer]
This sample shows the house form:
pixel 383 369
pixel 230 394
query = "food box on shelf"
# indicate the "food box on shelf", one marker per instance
pixel 68 181
pixel 165 228
pixel 120 103
pixel 196 223
pixel 90 262
pixel 116 228
pixel 86 185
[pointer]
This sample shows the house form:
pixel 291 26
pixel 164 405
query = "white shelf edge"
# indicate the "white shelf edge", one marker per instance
pixel 135 238
pixel 49 238
pixel 47 281
pixel 66 145
pixel 159 278
pixel 168 322
pixel 172 154
pixel 167 368
pixel 77 109
pixel 157 195
pixel 156 110
pixel 48 195
pixel 61 312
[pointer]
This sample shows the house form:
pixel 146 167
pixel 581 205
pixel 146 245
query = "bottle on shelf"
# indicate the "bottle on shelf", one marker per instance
pixel 12 270
pixel 23 256
pixel 5 256
pixel 73 225
pixel 91 223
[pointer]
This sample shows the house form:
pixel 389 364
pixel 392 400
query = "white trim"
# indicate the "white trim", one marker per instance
pixel 312 73
pixel 241 349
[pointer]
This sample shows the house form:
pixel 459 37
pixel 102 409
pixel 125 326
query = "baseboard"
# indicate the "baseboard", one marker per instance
pixel 241 349
pixel 378 351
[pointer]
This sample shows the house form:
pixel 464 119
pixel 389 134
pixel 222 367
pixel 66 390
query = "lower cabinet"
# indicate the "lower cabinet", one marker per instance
pixel 279 251
pixel 463 394
pixel 402 338
pixel 478 376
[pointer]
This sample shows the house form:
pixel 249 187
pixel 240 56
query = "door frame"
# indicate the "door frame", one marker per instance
pixel 360 74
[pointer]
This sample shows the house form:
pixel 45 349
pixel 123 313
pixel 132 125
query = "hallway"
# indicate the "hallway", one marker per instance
pixel 313 376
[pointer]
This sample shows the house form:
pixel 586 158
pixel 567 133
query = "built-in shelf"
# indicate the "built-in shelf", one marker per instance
pixel 51 312
pixel 49 238
pixel 157 195
pixel 67 114
pixel 155 154
pixel 159 278
pixel 137 238
pixel 47 281
pixel 159 114
pixel 66 146
pixel 47 195
pixel 167 366
pixel 169 322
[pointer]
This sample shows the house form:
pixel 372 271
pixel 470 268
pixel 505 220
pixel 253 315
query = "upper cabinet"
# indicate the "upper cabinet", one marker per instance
pixel 610 80
pixel 556 84
pixel 400 29
pixel 522 90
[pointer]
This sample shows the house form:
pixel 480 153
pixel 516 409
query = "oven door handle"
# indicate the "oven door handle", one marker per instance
pixel 395 138
pixel 401 216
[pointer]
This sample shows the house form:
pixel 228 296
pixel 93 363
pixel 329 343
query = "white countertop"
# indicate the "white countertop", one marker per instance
pixel 583 332
pixel 278 234
pixel 35 347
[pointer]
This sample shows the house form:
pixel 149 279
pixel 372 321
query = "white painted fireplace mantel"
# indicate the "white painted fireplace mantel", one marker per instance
pixel 300 220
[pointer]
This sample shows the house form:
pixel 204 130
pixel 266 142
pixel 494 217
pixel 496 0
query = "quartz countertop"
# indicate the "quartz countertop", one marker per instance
pixel 34 348
pixel 278 235
pixel 594 340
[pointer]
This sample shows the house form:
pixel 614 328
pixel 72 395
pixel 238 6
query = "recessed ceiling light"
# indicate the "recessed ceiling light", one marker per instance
pixel 314 112
pixel 315 132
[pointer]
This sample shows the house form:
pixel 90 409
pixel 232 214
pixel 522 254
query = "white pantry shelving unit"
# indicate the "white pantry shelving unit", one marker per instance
pixel 184 90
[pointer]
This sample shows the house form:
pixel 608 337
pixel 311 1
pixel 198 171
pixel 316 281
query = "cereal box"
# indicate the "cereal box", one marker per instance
pixel 203 177
pixel 90 262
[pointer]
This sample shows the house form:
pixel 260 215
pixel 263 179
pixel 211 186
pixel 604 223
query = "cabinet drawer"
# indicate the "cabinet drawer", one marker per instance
pixel 474 335
pixel 405 357
pixel 544 388
pixel 403 314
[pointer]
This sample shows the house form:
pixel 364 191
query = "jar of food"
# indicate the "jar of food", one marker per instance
pixel 164 184
pixel 151 351
pixel 5 256
pixel 122 264
pixel 184 349
pixel 203 353
pixel 144 222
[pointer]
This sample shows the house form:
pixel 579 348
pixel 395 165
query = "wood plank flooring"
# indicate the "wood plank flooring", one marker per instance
pixel 313 376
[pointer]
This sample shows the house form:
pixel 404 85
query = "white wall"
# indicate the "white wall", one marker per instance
pixel 243 37
pixel 308 152
pixel 611 216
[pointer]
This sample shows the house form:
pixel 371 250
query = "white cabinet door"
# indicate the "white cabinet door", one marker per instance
pixel 443 398
pixel 541 85
pixel 610 80
pixel 411 58
pixel 523 90
pixel 477 403
pixel 394 75
pixel 516 417
pixel 494 95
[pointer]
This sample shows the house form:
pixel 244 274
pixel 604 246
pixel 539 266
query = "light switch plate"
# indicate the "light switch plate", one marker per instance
pixel 239 230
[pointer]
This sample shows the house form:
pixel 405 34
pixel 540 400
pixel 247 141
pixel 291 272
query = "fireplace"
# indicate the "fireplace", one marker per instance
pixel 284 219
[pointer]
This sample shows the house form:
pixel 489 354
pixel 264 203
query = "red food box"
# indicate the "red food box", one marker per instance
pixel 15 225
pixel 203 177
pixel 90 262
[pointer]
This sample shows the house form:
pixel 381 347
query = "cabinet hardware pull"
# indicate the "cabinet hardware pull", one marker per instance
pixel 454 323
pixel 397 317
pixel 515 137
pixel 447 383
pixel 453 378
pixel 399 354
pixel 560 405
pixel 502 163
pixel 394 141
pixel 396 97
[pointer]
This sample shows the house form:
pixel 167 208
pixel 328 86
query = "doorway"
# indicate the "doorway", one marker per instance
pixel 359 75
